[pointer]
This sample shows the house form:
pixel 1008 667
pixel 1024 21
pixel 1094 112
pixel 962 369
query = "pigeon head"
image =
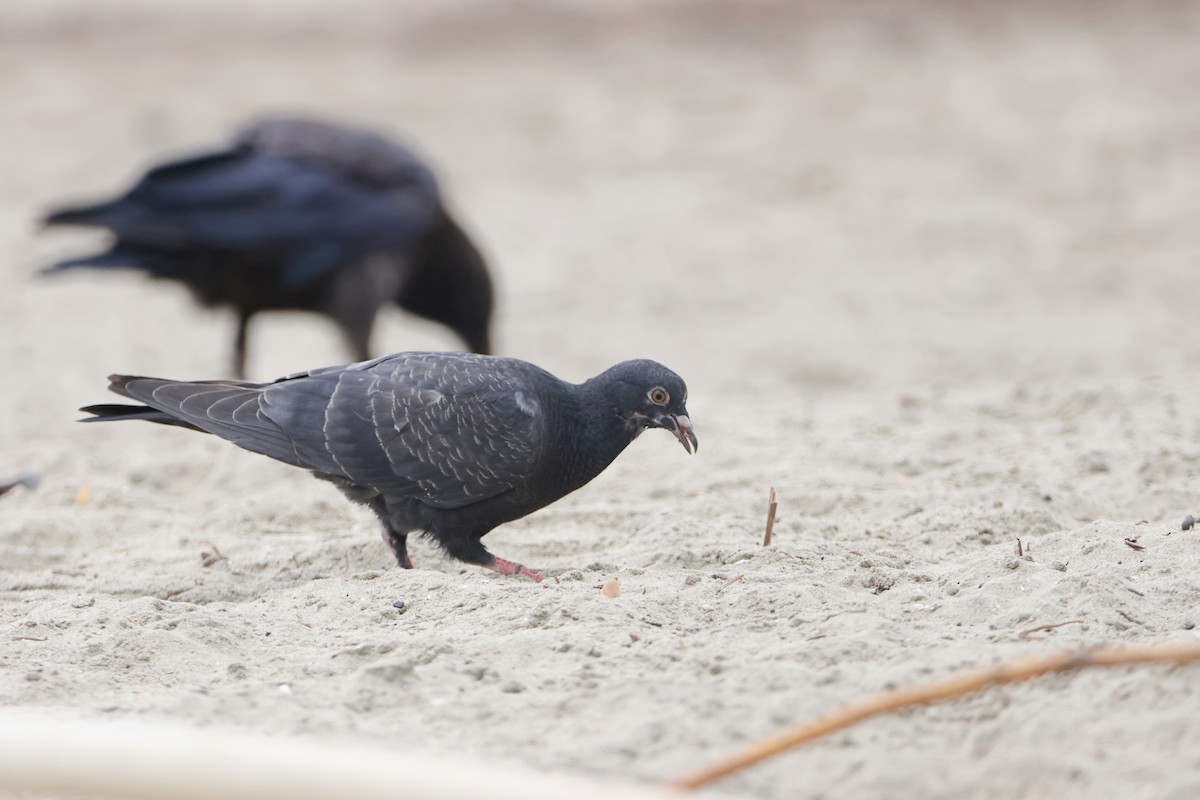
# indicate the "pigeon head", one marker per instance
pixel 648 395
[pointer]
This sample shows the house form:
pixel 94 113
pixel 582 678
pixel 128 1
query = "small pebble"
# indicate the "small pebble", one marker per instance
pixel 611 588
pixel 1189 522
pixel 1187 626
pixel 397 604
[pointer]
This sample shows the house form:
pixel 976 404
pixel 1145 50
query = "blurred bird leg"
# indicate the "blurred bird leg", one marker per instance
pixel 239 345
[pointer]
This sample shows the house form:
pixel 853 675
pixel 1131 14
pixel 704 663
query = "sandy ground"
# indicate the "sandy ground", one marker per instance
pixel 928 271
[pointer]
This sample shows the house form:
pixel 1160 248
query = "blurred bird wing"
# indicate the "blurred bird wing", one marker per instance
pixel 242 196
pixel 360 156
pixel 314 215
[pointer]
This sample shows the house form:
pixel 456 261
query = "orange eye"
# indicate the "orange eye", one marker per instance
pixel 659 396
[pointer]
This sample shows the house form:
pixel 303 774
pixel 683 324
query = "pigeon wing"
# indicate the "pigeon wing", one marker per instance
pixel 228 409
pixel 446 430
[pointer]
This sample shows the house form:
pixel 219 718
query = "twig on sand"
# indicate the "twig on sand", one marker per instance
pixel 212 556
pixel 1028 633
pixel 1009 672
pixel 771 506
pixel 730 582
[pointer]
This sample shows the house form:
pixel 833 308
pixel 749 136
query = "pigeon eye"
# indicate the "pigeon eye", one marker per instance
pixel 659 396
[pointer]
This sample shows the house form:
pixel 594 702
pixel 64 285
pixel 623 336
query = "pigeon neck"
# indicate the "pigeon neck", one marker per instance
pixel 604 431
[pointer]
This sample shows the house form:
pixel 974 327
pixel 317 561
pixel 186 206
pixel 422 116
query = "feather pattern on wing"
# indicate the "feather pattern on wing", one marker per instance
pixel 443 430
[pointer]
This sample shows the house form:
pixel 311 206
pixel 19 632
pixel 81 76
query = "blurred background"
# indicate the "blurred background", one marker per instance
pixel 840 194
pixel 804 208
pixel 927 267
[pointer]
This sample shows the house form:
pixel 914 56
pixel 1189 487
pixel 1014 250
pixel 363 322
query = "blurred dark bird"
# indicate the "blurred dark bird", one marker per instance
pixel 449 444
pixel 300 214
pixel 27 479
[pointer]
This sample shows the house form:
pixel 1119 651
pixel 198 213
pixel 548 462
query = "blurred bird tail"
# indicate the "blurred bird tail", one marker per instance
pixel 157 262
pixel 110 259
pixel 81 215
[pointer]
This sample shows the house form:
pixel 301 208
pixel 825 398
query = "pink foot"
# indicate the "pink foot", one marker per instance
pixel 506 567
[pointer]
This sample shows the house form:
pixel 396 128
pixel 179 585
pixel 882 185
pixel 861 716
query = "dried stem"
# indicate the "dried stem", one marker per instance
pixel 729 583
pixel 771 506
pixel 1010 672
pixel 1028 633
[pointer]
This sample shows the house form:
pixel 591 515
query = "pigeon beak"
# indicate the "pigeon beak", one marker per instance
pixel 681 426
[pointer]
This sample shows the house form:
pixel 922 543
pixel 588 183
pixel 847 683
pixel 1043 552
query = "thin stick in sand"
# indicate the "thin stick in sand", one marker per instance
pixel 771 506
pixel 1010 672
pixel 1028 633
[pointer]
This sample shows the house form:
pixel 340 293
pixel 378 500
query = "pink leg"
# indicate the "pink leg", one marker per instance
pixel 506 567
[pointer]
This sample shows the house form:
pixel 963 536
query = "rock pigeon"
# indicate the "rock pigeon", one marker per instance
pixel 300 214
pixel 448 444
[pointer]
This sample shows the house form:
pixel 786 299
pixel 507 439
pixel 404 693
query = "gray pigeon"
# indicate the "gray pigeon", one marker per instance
pixel 448 444
pixel 299 214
